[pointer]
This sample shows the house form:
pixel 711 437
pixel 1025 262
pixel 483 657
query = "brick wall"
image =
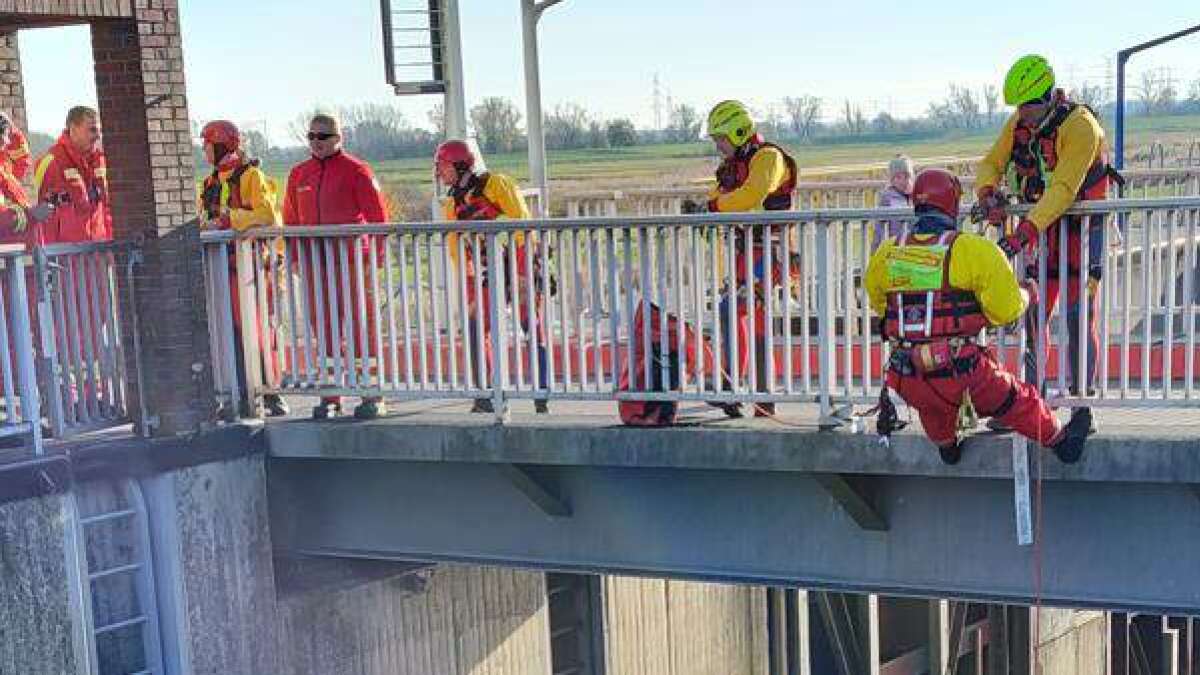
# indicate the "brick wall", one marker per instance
pixel 143 108
pixel 12 91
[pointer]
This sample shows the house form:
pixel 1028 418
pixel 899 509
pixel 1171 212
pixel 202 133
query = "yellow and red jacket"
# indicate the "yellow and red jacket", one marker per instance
pixel 1053 166
pixel 78 184
pixel 245 192
pixel 487 196
pixel 953 283
pixel 15 157
pixel 759 177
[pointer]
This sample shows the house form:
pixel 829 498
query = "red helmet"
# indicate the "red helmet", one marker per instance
pixel 939 189
pixel 223 133
pixel 457 153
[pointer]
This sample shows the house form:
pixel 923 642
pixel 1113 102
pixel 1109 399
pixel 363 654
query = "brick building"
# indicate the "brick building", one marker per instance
pixel 138 59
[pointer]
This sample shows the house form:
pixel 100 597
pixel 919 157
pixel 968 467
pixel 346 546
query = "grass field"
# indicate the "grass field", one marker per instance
pixel 665 165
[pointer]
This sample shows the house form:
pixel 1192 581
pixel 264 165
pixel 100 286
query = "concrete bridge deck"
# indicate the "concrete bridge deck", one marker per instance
pixel 754 501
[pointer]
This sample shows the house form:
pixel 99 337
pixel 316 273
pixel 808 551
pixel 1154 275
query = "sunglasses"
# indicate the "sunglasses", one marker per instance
pixel 315 136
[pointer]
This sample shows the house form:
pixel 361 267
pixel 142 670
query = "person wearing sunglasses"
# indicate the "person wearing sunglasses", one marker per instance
pixel 335 188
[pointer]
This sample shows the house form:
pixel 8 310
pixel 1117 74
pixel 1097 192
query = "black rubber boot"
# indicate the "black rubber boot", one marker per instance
pixel 371 408
pixel 951 454
pixel 541 406
pixel 275 406
pixel 1069 447
pixel 328 408
pixel 732 410
pixel 483 405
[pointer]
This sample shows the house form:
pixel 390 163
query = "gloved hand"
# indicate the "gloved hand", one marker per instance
pixel 1024 238
pixel 690 206
pixel 992 206
pixel 40 212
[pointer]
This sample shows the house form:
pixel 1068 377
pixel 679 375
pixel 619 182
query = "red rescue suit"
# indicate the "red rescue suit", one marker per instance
pixel 78 184
pixel 936 361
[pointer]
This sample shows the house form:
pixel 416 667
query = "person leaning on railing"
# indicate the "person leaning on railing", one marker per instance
pixel 334 187
pixel 754 175
pixel 473 194
pixel 1051 153
pixel 897 195
pixel 239 196
pixel 937 290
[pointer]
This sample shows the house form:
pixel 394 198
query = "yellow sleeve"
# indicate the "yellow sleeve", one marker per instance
pixel 258 192
pixel 768 170
pixel 876 279
pixel 502 191
pixel 991 169
pixel 978 265
pixel 1078 144
pixel 39 174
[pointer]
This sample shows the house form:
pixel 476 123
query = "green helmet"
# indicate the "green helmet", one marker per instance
pixel 1028 80
pixel 731 120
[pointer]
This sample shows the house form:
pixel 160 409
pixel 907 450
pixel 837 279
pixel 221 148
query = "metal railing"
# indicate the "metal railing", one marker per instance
pixel 81 346
pixel 22 407
pixel 567 306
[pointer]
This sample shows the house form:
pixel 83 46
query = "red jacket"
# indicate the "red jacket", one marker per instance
pixel 337 190
pixel 79 183
pixel 16 156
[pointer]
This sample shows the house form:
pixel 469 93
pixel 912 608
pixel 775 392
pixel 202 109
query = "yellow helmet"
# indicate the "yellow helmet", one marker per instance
pixel 1029 79
pixel 731 120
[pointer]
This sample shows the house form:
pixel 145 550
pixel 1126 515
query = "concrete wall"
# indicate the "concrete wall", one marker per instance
pixel 36 630
pixel 657 627
pixel 467 621
pixel 1072 642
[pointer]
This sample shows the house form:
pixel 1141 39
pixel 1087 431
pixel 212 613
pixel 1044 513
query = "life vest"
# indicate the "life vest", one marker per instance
pixel 1035 157
pixel 667 365
pixel 922 306
pixel 733 172
pixel 470 202
pixel 218 195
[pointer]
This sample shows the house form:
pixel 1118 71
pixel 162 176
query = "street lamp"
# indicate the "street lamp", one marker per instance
pixel 531 11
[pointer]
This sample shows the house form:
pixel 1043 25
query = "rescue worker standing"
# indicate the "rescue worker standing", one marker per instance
pixel 20 222
pixel 477 195
pixel 937 290
pixel 73 174
pixel 1051 153
pixel 238 196
pixel 335 188
pixel 754 175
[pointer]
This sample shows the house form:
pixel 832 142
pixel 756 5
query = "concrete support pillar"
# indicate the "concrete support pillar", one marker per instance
pixel 143 108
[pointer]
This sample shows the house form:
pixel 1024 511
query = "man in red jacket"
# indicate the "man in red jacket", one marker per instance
pixel 335 188
pixel 73 175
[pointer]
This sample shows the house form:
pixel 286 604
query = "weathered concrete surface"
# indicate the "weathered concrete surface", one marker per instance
pixel 660 627
pixel 36 629
pixel 1133 446
pixel 467 621
pixel 213 544
pixel 1072 642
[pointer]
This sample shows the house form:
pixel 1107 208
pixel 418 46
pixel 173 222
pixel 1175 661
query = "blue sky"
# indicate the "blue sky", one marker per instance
pixel 263 62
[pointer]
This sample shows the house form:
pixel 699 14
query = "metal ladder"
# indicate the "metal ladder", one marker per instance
pixel 413 45
pixel 116 573
pixel 574 601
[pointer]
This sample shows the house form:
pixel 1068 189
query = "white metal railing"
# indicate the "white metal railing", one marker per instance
pixel 394 310
pixel 81 346
pixel 22 409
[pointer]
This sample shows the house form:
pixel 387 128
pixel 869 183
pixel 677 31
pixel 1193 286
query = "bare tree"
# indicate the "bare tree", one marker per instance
pixel 853 118
pixel 255 143
pixel 437 119
pixel 621 133
pixel 883 123
pixel 804 113
pixel 1149 91
pixel 1091 95
pixel 685 124
pixel 991 102
pixel 497 123
pixel 567 127
pixel 965 106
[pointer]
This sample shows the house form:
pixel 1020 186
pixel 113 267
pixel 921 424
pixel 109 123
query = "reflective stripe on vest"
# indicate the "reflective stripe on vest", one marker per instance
pixel 924 270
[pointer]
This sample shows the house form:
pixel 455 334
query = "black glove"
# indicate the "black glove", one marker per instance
pixel 691 206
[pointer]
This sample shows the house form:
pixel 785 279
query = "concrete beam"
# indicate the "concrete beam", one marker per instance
pixel 760 527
